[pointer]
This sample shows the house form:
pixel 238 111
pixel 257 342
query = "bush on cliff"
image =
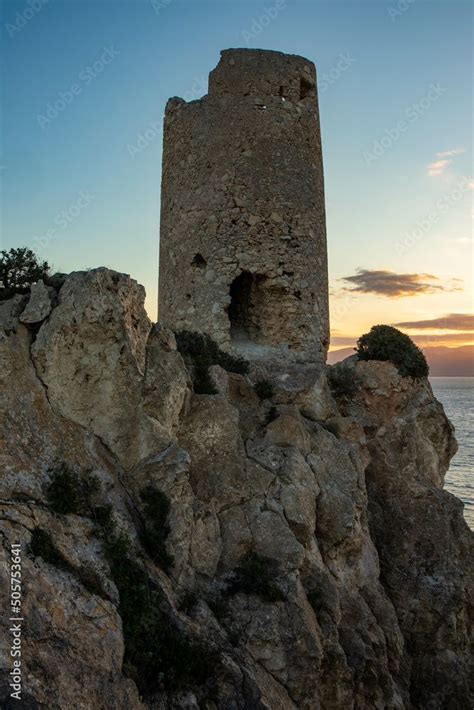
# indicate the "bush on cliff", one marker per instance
pixel 157 654
pixel 19 268
pixel 342 380
pixel 156 528
pixel 384 342
pixel 70 493
pixel 264 389
pixel 255 576
pixel 200 352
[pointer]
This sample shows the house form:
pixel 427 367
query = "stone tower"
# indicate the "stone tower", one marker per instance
pixel 243 232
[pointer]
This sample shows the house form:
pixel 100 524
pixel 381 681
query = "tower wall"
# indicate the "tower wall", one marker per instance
pixel 243 236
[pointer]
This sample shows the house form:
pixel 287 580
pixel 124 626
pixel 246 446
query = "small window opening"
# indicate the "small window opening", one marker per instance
pixel 306 88
pixel 199 261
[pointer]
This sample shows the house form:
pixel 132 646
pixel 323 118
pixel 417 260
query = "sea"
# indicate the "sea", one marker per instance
pixel 456 394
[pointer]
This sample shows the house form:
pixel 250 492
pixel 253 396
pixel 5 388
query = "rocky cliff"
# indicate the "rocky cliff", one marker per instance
pixel 179 550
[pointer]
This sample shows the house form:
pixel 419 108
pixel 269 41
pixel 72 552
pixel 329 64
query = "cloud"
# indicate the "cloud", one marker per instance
pixel 450 153
pixel 453 321
pixel 438 167
pixel 393 285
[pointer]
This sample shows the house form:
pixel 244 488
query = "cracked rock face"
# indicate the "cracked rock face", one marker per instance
pixel 308 541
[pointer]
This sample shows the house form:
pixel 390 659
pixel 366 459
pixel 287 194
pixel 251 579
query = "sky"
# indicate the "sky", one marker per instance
pixel 83 91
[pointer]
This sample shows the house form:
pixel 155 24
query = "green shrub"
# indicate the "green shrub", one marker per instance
pixel 200 352
pixel 343 380
pixel 255 576
pixel 70 493
pixel 19 269
pixel 64 491
pixel 264 389
pixel 156 528
pixel 188 602
pixel 384 342
pixel 102 515
pixel 157 654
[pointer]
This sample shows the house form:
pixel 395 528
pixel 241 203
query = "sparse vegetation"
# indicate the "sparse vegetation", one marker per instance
pixel 188 602
pixel 200 352
pixel 343 380
pixel 70 493
pixel 255 575
pixel 102 515
pixel 19 269
pixel 157 654
pixel 156 528
pixel 384 342
pixel 264 389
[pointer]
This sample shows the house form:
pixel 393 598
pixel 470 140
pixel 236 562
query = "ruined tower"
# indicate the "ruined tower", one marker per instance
pixel 243 233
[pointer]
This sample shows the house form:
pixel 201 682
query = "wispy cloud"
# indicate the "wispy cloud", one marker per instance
pixel 388 283
pixel 452 321
pixel 438 167
pixel 450 153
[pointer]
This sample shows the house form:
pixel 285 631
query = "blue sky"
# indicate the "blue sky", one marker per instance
pixel 83 94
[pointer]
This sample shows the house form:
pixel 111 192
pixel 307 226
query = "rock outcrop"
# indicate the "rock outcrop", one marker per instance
pixel 296 551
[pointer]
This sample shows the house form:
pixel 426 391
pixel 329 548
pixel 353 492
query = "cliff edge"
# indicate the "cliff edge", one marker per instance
pixel 276 544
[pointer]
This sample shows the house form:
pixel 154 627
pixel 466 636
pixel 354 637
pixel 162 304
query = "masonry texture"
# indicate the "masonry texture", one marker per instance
pixel 243 233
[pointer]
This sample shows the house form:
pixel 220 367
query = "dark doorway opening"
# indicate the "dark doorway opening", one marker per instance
pixel 240 308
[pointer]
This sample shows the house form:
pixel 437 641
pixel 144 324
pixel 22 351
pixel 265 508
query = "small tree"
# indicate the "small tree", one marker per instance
pixel 384 342
pixel 19 268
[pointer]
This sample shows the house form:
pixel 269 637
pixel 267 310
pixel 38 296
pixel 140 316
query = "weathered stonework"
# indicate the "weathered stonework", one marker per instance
pixel 243 234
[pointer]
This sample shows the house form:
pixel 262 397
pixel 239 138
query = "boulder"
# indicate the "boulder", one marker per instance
pixel 38 306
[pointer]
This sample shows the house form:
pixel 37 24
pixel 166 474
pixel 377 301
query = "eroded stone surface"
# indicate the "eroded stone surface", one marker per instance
pixel 369 554
pixel 243 219
pixel 39 304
